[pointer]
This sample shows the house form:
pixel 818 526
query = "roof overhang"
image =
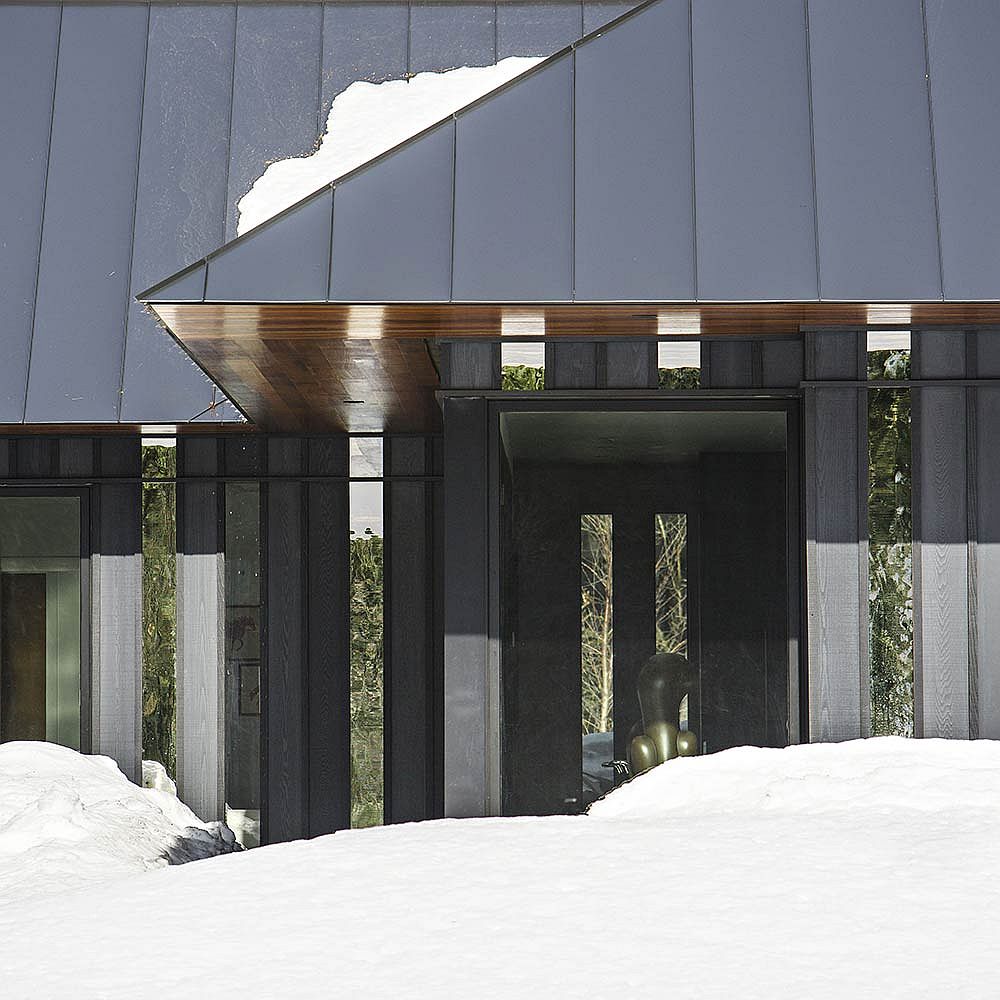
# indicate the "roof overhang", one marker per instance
pixel 329 367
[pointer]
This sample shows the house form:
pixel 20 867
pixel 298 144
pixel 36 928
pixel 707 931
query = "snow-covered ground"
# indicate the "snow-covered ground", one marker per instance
pixel 69 821
pixel 368 119
pixel 867 869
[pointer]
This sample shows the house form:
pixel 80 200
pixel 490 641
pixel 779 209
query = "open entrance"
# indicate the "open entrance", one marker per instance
pixel 648 562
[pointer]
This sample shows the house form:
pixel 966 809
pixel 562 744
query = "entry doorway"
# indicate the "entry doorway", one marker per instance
pixel 647 595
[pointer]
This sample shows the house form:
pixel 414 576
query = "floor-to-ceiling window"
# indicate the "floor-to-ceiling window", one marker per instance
pixel 41 605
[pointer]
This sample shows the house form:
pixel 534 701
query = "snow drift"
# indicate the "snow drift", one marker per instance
pixel 849 871
pixel 368 119
pixel 68 820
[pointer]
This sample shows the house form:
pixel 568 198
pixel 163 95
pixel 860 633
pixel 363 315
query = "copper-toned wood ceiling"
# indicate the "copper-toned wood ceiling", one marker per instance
pixel 333 367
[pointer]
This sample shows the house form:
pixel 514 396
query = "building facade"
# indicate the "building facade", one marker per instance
pixel 641 400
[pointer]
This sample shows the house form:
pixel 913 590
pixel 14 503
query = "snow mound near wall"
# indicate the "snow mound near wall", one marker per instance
pixel 875 775
pixel 365 120
pixel 68 820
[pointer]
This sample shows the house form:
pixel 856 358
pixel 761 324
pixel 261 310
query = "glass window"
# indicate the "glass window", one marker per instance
pixel 890 528
pixel 159 605
pixel 244 607
pixel 522 367
pixel 367 720
pixel 40 619
pixel 655 628
pixel 678 364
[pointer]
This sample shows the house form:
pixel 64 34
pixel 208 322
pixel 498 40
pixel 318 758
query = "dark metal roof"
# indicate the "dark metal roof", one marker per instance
pixel 725 150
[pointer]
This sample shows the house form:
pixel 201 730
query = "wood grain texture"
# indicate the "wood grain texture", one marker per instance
pixel 287 740
pixel 573 366
pixel 200 633
pixel 941 539
pixel 630 364
pixel 836 540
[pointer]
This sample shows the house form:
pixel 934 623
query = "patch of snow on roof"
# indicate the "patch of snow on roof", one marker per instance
pixel 68 820
pixel 365 120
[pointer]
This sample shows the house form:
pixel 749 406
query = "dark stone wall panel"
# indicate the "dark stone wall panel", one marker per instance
pixel 181 199
pixel 83 281
pixel 28 44
pixel 598 12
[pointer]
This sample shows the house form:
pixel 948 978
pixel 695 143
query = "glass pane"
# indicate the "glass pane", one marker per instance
pixel 367 756
pixel 244 609
pixel 678 364
pixel 659 626
pixel 366 457
pixel 890 549
pixel 597 652
pixel 40 609
pixel 522 367
pixel 159 607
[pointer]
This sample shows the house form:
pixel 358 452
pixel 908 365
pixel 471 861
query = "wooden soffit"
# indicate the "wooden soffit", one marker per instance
pixel 334 367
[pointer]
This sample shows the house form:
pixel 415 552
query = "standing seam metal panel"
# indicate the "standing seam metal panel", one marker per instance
pixel 181 199
pixel 78 343
pixel 446 35
pixel 753 155
pixel 513 205
pixel 963 40
pixel 877 224
pixel 633 183
pixel 29 42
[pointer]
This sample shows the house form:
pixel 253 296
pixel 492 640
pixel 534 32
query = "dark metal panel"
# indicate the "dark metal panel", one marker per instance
pixel 286 681
pixel 727 364
pixel 836 538
pixel 985 502
pixel 468 364
pixel 329 654
pixel 572 366
pixel 781 363
pixel 28 43
pixel 599 12
pixel 874 187
pixel 634 197
pixel 963 40
pixel 466 614
pixel 941 539
pixel 76 357
pixel 393 223
pixel 536 29
pixel 756 234
pixel 286 259
pixel 446 35
pixel 630 364
pixel 513 192
pixel 362 41
pixel 276 91
pixel 409 652
pixel 188 286
pixel 181 199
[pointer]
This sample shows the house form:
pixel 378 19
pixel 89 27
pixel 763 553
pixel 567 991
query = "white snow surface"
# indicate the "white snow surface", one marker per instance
pixel 68 820
pixel 868 869
pixel 365 120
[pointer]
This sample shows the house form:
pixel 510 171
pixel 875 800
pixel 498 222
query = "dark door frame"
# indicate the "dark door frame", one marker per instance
pixel 497 403
pixel 86 532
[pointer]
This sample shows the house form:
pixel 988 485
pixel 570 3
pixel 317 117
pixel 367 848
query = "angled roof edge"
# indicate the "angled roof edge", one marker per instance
pixel 154 292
